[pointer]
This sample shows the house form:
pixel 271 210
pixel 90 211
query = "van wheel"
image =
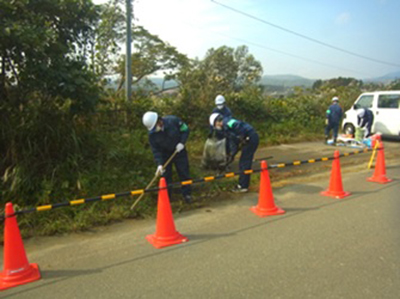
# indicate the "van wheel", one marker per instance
pixel 349 129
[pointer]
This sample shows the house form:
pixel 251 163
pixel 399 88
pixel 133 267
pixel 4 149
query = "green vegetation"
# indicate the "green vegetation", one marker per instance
pixel 64 135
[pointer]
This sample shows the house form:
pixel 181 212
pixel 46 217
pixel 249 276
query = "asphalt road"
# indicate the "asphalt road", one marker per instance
pixel 321 248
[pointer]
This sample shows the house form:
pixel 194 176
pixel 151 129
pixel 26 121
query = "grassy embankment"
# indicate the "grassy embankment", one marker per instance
pixel 108 152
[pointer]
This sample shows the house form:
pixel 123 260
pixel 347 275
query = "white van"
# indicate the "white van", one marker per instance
pixel 385 105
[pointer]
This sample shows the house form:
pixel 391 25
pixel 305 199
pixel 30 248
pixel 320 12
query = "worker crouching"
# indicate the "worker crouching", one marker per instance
pixel 242 137
pixel 167 137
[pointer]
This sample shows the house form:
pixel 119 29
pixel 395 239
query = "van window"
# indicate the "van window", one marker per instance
pixel 389 101
pixel 365 102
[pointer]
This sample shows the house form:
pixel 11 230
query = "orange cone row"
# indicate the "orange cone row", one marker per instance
pixel 18 271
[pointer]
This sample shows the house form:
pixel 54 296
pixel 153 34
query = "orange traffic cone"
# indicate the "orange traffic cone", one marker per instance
pixel 16 269
pixel 380 168
pixel 266 205
pixel 166 234
pixel 335 186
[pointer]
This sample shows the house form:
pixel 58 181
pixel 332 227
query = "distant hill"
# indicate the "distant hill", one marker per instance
pixel 272 82
pixel 286 80
pixel 159 81
pixel 113 82
pixel 386 78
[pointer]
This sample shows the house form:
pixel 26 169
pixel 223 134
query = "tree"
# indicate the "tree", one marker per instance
pixel 230 69
pixel 223 70
pixel 250 69
pixel 151 55
pixel 45 83
pixel 231 72
pixel 43 47
pixel 394 85
pixel 109 34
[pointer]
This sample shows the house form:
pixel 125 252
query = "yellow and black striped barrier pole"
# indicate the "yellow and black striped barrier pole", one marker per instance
pixel 112 196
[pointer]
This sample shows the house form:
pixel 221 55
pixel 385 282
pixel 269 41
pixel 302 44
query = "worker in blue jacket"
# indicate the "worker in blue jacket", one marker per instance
pixel 365 119
pixel 222 109
pixel 242 137
pixel 333 118
pixel 166 135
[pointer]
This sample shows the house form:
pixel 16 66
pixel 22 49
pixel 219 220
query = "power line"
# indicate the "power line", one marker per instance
pixel 275 50
pixel 306 37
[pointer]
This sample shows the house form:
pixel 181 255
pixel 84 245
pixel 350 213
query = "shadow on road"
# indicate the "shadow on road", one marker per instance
pixel 68 273
pixel 288 210
pixel 50 277
pixel 392 166
pixel 194 237
pixel 300 189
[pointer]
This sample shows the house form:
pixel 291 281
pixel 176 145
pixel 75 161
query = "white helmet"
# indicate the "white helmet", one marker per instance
pixel 150 119
pixel 213 117
pixel 361 112
pixel 219 100
pixel 335 99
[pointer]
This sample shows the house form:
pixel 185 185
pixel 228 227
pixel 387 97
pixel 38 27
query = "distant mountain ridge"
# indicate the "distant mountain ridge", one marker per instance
pixel 280 81
pixel 385 78
pixel 286 80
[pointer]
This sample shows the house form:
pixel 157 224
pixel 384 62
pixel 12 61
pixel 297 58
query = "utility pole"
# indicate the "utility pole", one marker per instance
pixel 128 61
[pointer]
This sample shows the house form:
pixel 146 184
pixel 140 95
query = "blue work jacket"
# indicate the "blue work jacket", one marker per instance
pixel 163 143
pixel 225 111
pixel 334 113
pixel 237 131
pixel 367 119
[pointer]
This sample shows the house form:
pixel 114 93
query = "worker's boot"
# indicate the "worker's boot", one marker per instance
pixel 240 189
pixel 334 141
pixel 326 140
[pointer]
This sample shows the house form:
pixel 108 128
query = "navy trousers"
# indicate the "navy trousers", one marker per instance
pixel 329 127
pixel 246 159
pixel 181 163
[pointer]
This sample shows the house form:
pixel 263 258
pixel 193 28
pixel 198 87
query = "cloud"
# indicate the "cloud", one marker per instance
pixel 343 18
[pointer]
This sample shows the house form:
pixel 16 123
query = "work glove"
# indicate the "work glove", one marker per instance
pixel 160 170
pixel 179 147
pixel 326 121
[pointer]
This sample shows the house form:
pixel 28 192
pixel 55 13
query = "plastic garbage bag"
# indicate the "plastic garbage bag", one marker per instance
pixel 359 136
pixel 214 154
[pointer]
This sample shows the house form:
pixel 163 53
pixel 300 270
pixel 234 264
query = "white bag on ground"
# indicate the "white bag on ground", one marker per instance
pixel 214 154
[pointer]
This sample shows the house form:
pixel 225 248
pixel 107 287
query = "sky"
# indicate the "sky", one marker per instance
pixel 367 28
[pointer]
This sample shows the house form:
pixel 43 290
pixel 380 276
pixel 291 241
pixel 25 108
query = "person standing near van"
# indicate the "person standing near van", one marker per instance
pixel 333 117
pixel 365 118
